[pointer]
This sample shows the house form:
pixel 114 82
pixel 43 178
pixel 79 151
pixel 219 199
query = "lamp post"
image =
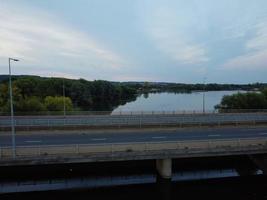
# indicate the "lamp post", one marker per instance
pixel 12 110
pixel 64 103
pixel 203 100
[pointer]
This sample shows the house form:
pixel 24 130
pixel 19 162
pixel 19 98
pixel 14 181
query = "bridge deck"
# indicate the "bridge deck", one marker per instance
pixel 55 154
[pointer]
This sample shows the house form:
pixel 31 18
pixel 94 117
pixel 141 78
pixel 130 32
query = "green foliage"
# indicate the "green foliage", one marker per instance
pixel 5 97
pixel 29 105
pixel 264 92
pixel 33 93
pixel 249 100
pixel 27 86
pixel 146 85
pixel 3 94
pixel 57 103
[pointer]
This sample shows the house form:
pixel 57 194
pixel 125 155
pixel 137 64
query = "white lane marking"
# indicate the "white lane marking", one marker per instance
pixel 98 139
pixel 215 135
pixel 158 137
pixel 262 133
pixel 33 141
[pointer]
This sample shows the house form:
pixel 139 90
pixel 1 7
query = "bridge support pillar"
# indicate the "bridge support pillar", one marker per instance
pixel 164 175
pixel 260 161
pixel 164 168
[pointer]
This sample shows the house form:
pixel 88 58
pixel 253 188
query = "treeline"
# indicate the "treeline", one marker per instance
pixel 181 87
pixel 33 93
pixel 248 100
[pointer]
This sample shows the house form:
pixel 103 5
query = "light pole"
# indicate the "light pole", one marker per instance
pixel 203 100
pixel 64 103
pixel 11 109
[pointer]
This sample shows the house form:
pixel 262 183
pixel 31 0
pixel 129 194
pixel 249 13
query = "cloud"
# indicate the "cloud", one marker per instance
pixel 255 56
pixel 186 53
pixel 252 61
pixel 165 29
pixel 41 39
pixel 179 48
pixel 134 77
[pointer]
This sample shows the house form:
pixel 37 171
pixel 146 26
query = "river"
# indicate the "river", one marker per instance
pixel 175 101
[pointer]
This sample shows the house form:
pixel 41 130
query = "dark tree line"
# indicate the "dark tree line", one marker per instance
pixel 248 100
pixel 33 93
pixel 182 87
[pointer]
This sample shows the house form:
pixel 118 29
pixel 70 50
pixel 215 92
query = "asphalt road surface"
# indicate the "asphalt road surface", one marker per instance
pixel 131 136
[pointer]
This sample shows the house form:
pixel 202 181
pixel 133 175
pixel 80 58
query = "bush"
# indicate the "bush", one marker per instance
pixel 249 100
pixel 57 103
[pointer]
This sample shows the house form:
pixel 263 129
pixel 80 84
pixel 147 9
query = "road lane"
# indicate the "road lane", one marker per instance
pixel 135 136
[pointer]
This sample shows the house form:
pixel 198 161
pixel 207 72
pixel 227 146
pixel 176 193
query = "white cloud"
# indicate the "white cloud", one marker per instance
pixel 253 61
pixel 40 39
pixel 187 53
pixel 255 57
pixel 134 77
pixel 259 42
pixel 165 29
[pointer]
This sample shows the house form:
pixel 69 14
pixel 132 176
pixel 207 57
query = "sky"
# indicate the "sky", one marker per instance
pixel 183 41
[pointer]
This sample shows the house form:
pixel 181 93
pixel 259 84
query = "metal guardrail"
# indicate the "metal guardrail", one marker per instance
pixel 218 145
pixel 128 112
pixel 135 120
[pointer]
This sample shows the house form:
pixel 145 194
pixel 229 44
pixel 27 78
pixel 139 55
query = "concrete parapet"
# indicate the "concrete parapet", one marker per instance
pixel 134 151
pixel 161 146
pixel 83 149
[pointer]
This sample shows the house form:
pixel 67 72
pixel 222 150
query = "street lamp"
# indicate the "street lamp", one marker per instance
pixel 203 100
pixel 64 103
pixel 11 109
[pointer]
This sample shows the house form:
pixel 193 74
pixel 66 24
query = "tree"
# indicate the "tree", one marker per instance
pixel 31 104
pixel 57 103
pixel 264 92
pixel 249 100
pixel 27 86
pixel 5 98
pixel 85 95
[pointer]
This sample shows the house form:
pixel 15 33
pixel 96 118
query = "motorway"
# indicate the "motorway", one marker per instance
pixel 132 136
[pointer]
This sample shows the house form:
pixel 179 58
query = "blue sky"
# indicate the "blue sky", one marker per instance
pixel 136 40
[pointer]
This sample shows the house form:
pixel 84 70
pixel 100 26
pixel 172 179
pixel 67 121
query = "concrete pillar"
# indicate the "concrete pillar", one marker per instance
pixel 164 175
pixel 260 161
pixel 164 168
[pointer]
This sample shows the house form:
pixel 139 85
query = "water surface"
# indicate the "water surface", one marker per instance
pixel 175 102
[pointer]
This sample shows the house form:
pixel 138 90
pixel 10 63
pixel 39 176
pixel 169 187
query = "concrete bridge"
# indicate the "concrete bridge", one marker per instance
pixel 162 152
pixel 162 145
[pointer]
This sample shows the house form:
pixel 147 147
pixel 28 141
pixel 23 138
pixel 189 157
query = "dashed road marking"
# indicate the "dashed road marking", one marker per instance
pixel 159 137
pixel 33 141
pixel 99 139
